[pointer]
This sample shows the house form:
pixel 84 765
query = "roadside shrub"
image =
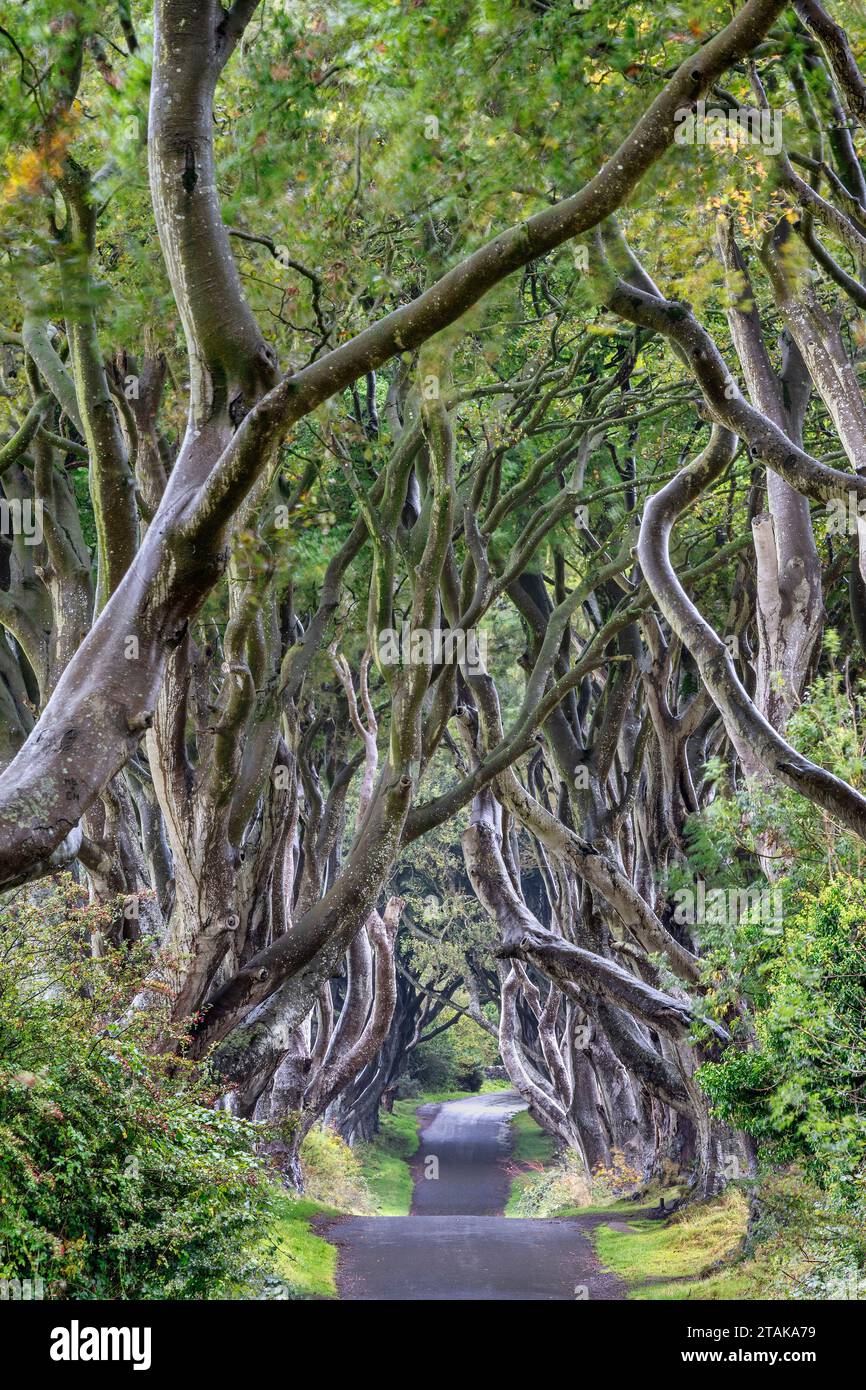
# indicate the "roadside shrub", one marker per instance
pixel 798 1092
pixel 469 1077
pixel 808 1242
pixel 432 1066
pixel 117 1178
pixel 408 1087
pixel 617 1180
pixel 794 1078
pixel 553 1191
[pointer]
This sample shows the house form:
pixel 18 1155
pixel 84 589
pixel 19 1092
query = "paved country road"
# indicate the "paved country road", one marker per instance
pixel 456 1245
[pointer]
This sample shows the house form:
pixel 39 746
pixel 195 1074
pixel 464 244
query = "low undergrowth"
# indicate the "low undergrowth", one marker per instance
pixel 334 1173
pixel 532 1152
pixel 694 1254
pixel 298 1263
pixel 546 1182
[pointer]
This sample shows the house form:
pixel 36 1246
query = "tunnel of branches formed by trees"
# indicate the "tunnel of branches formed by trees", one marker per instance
pixel 303 345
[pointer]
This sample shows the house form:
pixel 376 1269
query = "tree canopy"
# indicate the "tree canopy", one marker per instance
pixel 433 576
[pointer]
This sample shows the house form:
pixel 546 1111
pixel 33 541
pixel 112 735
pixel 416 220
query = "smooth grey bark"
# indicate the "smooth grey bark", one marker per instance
pixel 182 554
pixel 746 726
pixel 789 605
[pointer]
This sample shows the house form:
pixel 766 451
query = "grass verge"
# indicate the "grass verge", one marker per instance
pixel 385 1160
pixel 691 1255
pixel 532 1144
pixel 299 1260
pixel 534 1149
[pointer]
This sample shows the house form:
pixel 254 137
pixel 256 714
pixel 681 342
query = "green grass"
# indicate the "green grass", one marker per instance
pixel 530 1145
pixel 680 1258
pixel 300 1259
pixel 385 1161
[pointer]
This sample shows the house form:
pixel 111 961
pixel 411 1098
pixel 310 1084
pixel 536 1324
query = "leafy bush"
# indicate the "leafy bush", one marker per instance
pixel 408 1087
pixel 810 1242
pixel 117 1177
pixel 432 1066
pixel 799 1091
pixel 454 1060
pixel 553 1191
pixel 794 1079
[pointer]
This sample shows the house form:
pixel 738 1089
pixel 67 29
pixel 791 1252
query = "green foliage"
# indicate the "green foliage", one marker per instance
pixel 454 1060
pixel 799 1091
pixel 808 1241
pixel 794 998
pixel 117 1178
pixel 655 1256
pixel 795 1079
pixel 432 1066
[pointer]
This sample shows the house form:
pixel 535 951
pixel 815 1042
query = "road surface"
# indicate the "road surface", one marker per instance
pixel 456 1245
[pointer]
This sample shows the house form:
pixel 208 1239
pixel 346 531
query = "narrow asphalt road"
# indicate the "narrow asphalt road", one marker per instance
pixel 456 1245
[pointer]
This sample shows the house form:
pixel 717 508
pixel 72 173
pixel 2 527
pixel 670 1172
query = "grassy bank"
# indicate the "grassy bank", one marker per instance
pixel 690 1255
pixel 299 1262
pixel 385 1160
pixel 302 1264
pixel 533 1149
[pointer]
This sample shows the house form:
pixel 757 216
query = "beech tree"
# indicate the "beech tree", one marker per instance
pixel 349 363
